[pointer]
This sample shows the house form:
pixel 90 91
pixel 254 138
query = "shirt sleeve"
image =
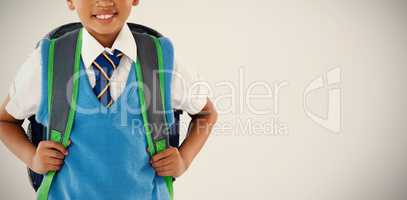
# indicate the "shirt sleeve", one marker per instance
pixel 25 90
pixel 188 91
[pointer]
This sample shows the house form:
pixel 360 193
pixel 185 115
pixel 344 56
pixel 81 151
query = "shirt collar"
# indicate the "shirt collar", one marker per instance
pixel 124 42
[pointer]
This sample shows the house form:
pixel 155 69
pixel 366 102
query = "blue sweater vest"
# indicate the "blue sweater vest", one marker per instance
pixel 107 157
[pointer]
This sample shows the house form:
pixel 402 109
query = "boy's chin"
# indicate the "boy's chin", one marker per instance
pixel 106 29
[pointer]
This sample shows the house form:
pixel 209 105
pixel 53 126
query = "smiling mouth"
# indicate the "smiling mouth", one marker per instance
pixel 104 16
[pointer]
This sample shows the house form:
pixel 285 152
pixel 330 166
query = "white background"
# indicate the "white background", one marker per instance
pixel 270 41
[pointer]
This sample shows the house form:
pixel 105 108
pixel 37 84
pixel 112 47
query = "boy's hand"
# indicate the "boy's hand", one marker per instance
pixel 169 163
pixel 49 156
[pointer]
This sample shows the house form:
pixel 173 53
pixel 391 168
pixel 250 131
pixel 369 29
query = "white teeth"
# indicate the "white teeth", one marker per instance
pixel 104 16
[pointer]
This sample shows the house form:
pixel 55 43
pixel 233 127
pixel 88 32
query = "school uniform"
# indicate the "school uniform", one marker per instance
pixel 107 157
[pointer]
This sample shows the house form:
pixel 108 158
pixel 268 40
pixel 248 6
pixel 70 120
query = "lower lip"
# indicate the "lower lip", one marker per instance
pixel 104 21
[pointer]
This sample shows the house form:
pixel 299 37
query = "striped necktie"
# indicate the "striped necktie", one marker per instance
pixel 104 65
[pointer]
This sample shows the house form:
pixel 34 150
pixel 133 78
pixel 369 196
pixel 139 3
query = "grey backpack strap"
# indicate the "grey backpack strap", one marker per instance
pixel 147 55
pixel 63 64
pixel 159 138
pixel 62 87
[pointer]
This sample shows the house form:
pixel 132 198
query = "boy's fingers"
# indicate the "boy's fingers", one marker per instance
pixel 163 162
pixel 54 161
pixel 55 154
pixel 56 146
pixel 53 167
pixel 164 168
pixel 163 154
pixel 165 173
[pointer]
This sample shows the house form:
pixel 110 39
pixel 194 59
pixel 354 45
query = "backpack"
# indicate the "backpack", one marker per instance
pixel 61 56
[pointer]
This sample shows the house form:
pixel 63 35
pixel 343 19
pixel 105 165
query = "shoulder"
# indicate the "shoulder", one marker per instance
pixel 27 82
pixel 168 52
pixel 166 44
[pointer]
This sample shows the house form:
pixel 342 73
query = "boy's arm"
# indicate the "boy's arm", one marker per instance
pixel 47 157
pixel 198 132
pixel 174 162
pixel 13 136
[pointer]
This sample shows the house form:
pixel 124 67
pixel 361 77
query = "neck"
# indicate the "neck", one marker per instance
pixel 106 40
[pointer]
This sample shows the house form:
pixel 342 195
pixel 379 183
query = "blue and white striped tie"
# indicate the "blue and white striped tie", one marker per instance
pixel 104 65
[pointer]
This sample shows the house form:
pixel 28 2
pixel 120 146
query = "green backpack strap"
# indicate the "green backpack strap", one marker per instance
pixel 150 82
pixel 63 83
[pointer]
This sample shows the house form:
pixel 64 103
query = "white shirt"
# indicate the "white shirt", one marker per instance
pixel 25 90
